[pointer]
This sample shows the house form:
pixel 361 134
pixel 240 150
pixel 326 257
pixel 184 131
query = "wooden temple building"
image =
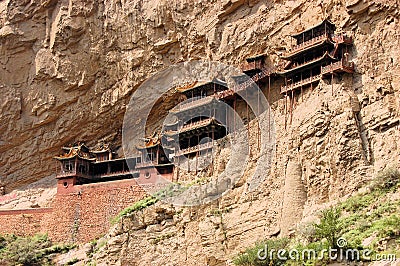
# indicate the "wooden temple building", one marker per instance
pixel 318 53
pixel 79 165
pixel 153 161
pixel 200 120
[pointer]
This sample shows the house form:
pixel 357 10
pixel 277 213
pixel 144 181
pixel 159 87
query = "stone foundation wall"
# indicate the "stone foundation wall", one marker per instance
pixel 79 216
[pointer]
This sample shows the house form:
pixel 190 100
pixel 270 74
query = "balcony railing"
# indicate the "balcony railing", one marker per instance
pixel 300 83
pixel 307 44
pixel 146 164
pixel 64 173
pixel 203 146
pixel 222 94
pixel 73 172
pixel 298 66
pixel 195 124
pixel 341 65
pixel 111 174
pixel 193 103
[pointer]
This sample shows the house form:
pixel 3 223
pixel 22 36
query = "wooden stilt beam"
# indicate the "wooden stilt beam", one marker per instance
pixel 269 109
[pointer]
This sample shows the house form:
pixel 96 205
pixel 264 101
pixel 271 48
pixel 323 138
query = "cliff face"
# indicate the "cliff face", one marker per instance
pixel 68 69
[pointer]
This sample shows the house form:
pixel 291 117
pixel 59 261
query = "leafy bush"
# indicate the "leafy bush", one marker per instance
pixel 35 250
pixel 330 226
pixel 250 256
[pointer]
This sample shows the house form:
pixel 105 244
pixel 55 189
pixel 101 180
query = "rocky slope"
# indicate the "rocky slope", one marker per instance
pixel 68 69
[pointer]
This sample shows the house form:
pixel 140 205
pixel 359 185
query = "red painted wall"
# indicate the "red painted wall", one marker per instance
pixel 79 214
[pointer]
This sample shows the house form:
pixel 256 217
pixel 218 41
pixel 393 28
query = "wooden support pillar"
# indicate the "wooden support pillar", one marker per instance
pixel 197 152
pixel 188 155
pixel 285 102
pixel 301 88
pixel 311 76
pixel 234 116
pixel 212 151
pixel 291 107
pixel 247 113
pixel 178 168
pixel 76 165
pixel 157 154
pixel 226 118
pixel 258 121
pixel 269 109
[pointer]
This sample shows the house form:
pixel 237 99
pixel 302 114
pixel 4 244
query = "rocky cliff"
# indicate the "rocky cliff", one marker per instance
pixel 68 69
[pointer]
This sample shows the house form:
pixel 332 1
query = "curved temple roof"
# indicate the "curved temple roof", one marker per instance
pixel 327 21
pixel 326 55
pixel 81 151
pixel 199 84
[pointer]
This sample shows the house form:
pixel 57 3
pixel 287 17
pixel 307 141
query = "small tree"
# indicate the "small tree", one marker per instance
pixel 329 226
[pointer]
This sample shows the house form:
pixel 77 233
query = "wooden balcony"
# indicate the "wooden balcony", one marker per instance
pixel 265 72
pixel 114 174
pixel 299 84
pixel 190 126
pixel 302 46
pixel 204 146
pixel 194 103
pixel 338 67
pixel 71 173
pixel 297 67
pixel 197 124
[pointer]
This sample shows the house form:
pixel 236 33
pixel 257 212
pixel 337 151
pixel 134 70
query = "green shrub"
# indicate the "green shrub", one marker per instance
pixel 137 206
pixel 25 250
pixel 330 226
pixel 34 250
pixel 360 202
pixel 250 256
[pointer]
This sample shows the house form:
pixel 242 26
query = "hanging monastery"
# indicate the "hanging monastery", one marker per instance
pixel 95 185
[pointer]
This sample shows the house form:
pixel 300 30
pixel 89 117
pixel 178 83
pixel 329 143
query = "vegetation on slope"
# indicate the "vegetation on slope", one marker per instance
pixel 172 190
pixel 368 220
pixel 137 206
pixel 35 250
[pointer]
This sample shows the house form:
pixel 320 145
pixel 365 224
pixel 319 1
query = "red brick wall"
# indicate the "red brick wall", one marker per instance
pixel 80 215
